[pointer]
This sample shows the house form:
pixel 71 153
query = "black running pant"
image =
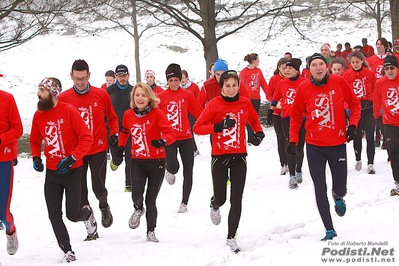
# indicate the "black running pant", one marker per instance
pixel 98 170
pixel 366 123
pixel 54 188
pixel 317 159
pixel 224 167
pixel 281 142
pixel 295 161
pixel 151 171
pixel 186 150
pixel 128 157
pixel 392 137
pixel 250 132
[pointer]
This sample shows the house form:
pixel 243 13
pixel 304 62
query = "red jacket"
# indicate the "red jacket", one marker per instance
pixel 153 125
pixel 64 133
pixel 252 79
pixel 369 50
pixel 376 63
pixel 233 140
pixel 324 108
pixel 386 97
pixel 362 82
pixel 191 86
pixel 211 89
pixel 176 105
pixel 10 127
pixel 157 89
pixel 274 80
pixel 93 107
pixel 306 73
pixel 285 93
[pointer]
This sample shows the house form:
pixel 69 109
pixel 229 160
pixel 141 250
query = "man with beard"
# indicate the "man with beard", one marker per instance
pixel 67 139
pixel 94 104
pixel 120 96
pixel 10 131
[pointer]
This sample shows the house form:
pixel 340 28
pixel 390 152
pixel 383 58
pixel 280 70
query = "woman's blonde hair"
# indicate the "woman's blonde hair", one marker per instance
pixel 148 91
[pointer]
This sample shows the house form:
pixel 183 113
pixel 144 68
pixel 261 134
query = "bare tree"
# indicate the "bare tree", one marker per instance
pixel 378 10
pixel 394 6
pixel 22 20
pixel 204 18
pixel 104 15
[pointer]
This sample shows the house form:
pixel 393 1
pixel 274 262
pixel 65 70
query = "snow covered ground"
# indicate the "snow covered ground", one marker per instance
pixel 279 226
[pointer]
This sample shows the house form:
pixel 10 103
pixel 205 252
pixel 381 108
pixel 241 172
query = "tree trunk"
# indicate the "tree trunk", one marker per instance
pixel 209 24
pixel 378 18
pixel 394 6
pixel 136 43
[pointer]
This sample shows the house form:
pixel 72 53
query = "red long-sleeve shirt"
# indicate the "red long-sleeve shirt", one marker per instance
pixel 252 79
pixel 285 93
pixel 362 82
pixel 153 125
pixel 386 97
pixel 193 87
pixel 64 133
pixel 232 140
pixel 274 80
pixel 324 108
pixel 176 105
pixel 10 127
pixel 376 63
pixel 93 106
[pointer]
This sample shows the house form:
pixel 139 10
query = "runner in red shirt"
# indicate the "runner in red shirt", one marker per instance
pixel 273 116
pixel 177 103
pixel 321 99
pixel 367 49
pixel 10 131
pixel 150 131
pixel 66 140
pixel 362 80
pixel 251 77
pixel 150 78
pixel 94 104
pixel 285 93
pixel 386 97
pixel 225 118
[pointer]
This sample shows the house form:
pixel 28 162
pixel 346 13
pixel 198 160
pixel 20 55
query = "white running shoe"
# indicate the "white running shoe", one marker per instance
pixel 182 208
pixel 151 237
pixel 134 220
pixel 170 178
pixel 68 257
pixel 91 225
pixel 233 245
pixel 293 183
pixel 284 169
pixel 215 216
pixel 370 169
pixel 358 165
pixel 12 243
pixel 299 177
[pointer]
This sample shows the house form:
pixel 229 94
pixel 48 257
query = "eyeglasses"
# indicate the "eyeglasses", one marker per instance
pixel 389 68
pixel 80 79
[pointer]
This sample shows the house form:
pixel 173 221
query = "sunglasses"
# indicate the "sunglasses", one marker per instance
pixel 389 68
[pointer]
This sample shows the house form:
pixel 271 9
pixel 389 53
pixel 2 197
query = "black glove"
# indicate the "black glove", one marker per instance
pixel 158 143
pixel 119 152
pixel 350 133
pixel 38 164
pixel 65 165
pixel 225 124
pixel 270 116
pixel 113 141
pixel 291 148
pixel 15 162
pixel 257 139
